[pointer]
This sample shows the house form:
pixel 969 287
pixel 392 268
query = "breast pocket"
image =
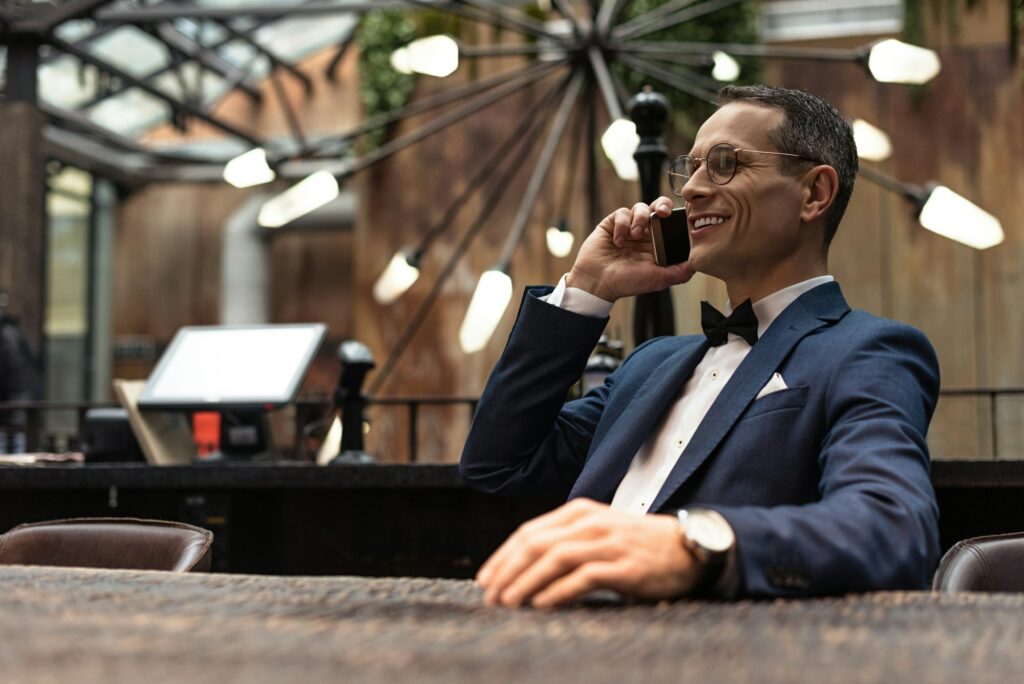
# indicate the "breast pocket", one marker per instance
pixel 790 398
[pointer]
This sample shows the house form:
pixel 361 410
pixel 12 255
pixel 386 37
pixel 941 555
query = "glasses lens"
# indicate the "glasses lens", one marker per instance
pixel 722 163
pixel 678 174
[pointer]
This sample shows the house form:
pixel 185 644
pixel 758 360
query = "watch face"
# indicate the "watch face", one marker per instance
pixel 710 530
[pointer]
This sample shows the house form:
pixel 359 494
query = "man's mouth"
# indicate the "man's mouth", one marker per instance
pixel 705 222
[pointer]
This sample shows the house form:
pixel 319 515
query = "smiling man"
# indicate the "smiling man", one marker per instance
pixel 781 453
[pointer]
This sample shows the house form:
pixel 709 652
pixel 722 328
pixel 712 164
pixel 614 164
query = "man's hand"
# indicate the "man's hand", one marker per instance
pixel 583 546
pixel 617 260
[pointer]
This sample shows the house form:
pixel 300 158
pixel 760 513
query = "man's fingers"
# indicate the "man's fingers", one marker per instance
pixel 585 578
pixel 641 218
pixel 557 562
pixel 661 206
pixel 621 220
pixel 528 532
pixel 523 553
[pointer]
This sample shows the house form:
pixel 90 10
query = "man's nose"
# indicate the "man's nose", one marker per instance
pixel 698 186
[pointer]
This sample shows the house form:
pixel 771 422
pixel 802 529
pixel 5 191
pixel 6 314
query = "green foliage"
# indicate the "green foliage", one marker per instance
pixel 382 89
pixel 914 29
pixel 913 21
pixel 735 24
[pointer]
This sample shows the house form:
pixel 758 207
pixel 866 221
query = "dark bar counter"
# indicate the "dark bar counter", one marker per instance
pixel 62 625
pixel 380 520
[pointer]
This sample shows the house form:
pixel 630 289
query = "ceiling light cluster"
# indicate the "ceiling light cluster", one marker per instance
pixel 586 47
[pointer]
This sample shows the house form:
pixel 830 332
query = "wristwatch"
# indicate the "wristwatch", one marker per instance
pixel 709 537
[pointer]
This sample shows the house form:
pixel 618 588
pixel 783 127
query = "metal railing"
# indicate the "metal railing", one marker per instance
pixel 308 410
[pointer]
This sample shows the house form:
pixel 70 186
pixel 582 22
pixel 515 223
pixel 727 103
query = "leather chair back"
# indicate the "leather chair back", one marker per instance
pixel 115 543
pixel 993 563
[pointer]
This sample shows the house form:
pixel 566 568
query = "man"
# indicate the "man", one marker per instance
pixel 782 456
pixel 20 379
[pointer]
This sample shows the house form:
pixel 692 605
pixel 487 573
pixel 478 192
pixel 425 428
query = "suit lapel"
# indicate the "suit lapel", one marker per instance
pixel 610 460
pixel 814 309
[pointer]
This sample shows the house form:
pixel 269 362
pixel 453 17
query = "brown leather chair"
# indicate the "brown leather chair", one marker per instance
pixel 992 563
pixel 117 543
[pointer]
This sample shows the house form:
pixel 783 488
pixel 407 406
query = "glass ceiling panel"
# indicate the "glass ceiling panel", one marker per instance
pixel 205 32
pixel 66 83
pixel 129 113
pixel 238 53
pixel 295 38
pixel 131 50
pixel 212 86
pixel 72 31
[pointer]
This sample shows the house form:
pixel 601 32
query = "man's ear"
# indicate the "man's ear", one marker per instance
pixel 820 187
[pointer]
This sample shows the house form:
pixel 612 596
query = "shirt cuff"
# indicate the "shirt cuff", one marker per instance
pixel 578 301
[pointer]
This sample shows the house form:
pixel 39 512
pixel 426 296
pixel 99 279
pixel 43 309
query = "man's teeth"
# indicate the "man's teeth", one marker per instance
pixel 708 221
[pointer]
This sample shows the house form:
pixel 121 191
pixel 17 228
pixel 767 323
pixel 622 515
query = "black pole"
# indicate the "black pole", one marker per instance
pixel 653 315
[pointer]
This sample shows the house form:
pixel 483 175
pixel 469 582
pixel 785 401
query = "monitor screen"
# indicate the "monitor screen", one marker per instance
pixel 222 367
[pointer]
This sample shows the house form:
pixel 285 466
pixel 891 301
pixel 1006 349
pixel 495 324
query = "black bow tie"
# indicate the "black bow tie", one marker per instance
pixel 717 327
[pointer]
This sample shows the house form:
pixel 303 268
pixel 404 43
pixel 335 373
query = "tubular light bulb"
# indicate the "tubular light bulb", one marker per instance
pixel 726 68
pixel 396 279
pixel 493 292
pixel 434 56
pixel 872 143
pixel 400 61
pixel 892 61
pixel 308 194
pixel 952 216
pixel 559 241
pixel 619 142
pixel 248 169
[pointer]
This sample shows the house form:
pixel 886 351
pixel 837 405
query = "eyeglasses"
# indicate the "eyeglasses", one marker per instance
pixel 721 161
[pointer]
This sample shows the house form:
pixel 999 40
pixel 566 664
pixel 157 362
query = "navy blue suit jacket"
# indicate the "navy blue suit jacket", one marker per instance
pixel 825 483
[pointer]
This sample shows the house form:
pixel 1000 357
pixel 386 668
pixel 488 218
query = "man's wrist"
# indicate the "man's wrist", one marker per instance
pixel 589 284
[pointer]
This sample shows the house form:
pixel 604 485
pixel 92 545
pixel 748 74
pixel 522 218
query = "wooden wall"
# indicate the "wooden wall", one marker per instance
pixel 965 129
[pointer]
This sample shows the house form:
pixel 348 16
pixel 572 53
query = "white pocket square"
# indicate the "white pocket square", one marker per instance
pixel 776 384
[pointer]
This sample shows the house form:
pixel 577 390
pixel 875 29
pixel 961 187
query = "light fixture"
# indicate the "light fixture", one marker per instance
pixel 308 194
pixel 892 61
pixel 619 143
pixel 490 299
pixel 400 61
pixel 559 239
pixel 725 69
pixel 248 169
pixel 433 56
pixel 401 272
pixel 872 143
pixel 952 216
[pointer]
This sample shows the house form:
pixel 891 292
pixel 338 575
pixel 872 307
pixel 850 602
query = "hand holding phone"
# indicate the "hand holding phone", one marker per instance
pixel 670 237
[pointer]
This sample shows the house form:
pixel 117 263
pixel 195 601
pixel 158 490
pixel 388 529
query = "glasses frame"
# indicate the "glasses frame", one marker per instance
pixel 701 161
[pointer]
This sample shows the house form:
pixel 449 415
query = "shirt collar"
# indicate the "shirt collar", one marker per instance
pixel 768 308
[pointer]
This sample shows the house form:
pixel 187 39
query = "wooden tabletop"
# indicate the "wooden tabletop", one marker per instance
pixel 63 626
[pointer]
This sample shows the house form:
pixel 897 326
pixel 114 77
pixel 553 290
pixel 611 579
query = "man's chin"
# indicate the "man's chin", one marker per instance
pixel 703 263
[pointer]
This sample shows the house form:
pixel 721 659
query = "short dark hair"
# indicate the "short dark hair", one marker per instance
pixel 812 128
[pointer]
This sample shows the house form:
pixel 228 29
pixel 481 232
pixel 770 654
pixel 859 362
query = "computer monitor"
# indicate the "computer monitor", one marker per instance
pixel 245 367
pixel 240 372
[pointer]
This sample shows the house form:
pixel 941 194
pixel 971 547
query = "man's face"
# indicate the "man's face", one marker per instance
pixel 755 224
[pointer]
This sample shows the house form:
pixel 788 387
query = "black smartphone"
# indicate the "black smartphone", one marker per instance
pixel 671 238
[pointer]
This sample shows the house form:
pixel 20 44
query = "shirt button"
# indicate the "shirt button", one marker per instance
pixel 679 444
pixel 714 375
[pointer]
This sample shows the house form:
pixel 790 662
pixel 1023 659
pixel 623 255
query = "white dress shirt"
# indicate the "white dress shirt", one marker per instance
pixel 658 455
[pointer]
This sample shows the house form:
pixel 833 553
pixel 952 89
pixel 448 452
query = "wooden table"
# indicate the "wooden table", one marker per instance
pixel 62 626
